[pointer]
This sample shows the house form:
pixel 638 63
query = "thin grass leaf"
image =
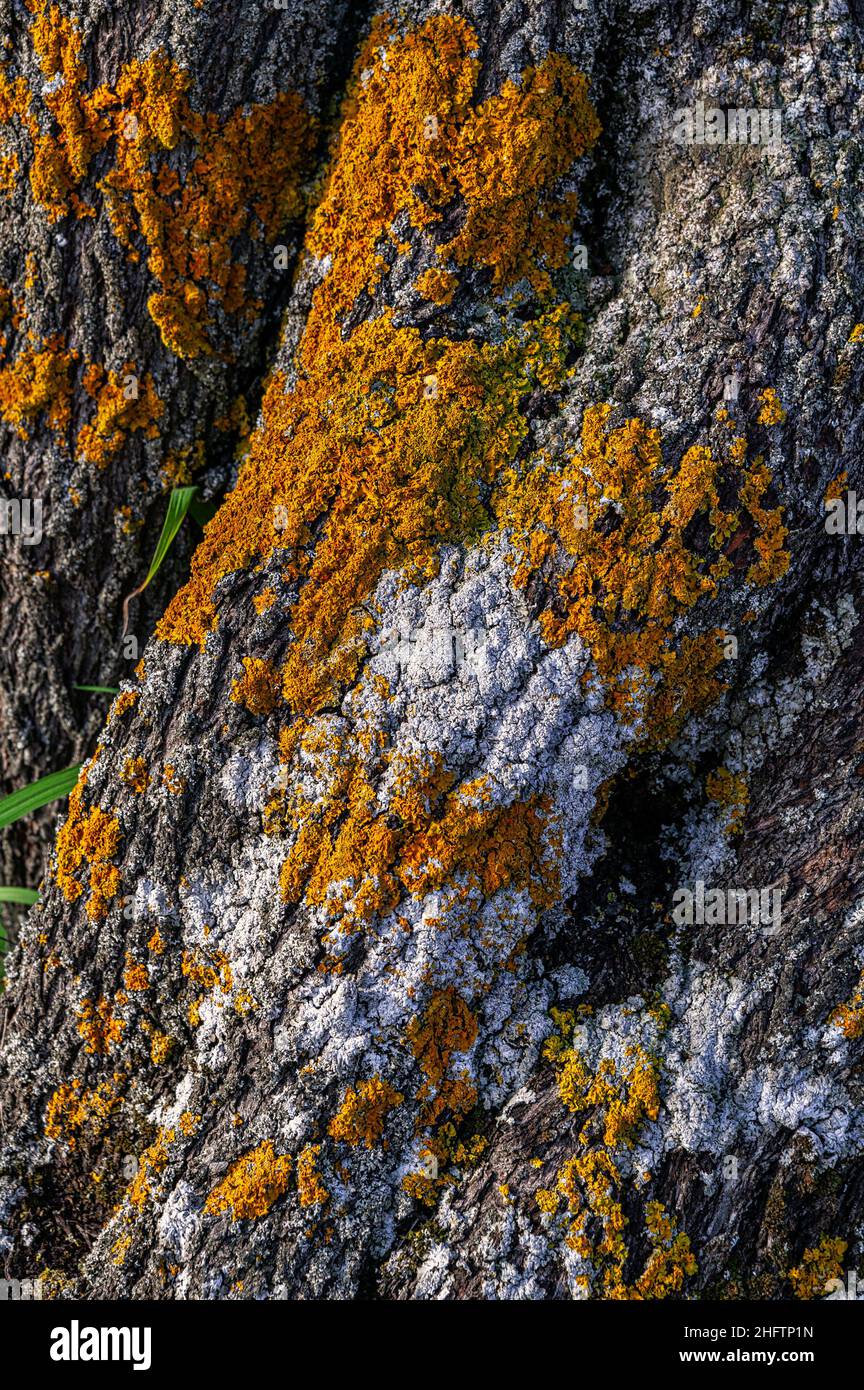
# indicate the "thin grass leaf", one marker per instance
pixel 178 505
pixel 39 793
pixel 25 897
pixel 99 689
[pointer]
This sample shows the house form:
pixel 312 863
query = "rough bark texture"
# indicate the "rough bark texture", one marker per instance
pixel 361 966
pixel 75 296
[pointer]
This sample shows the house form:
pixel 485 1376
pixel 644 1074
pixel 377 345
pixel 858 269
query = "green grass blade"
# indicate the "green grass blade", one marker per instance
pixel 99 689
pixel 27 799
pixel 178 505
pixel 25 897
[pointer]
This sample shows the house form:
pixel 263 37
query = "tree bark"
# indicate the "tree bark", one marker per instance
pixel 401 939
pixel 105 403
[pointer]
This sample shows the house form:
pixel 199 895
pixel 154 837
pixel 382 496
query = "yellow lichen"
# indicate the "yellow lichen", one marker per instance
pixel 98 1026
pixel 135 775
pixel 617 1103
pixel 311 1191
pixel 161 1045
pixel 88 841
pixel 123 404
pixel 259 688
pixel 252 1184
pixel 729 790
pixel 74 1110
pixel 421 1188
pixel 771 411
pixel 153 1161
pixel 819 1265
pixel 612 527
pixel 849 1016
pixel 363 1112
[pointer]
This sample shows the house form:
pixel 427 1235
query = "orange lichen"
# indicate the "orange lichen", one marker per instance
pixel 410 461
pixel 246 175
pixel 74 1110
pixel 265 600
pixel 136 976
pixel 173 782
pixel 311 1191
pixel 502 157
pixel 135 775
pixel 126 700
pixel 771 411
pixel 620 567
pixel 38 382
pixel 819 1265
pixel 88 840
pixel 437 285
pixel 357 859
pixel 61 161
pixel 252 1184
pixel 123 404
pixel 447 1026
pixel 391 435
pixel 363 1112
pixel 156 944
pixel 849 1016
pixel 98 1026
pixel 259 688
pixel 773 561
